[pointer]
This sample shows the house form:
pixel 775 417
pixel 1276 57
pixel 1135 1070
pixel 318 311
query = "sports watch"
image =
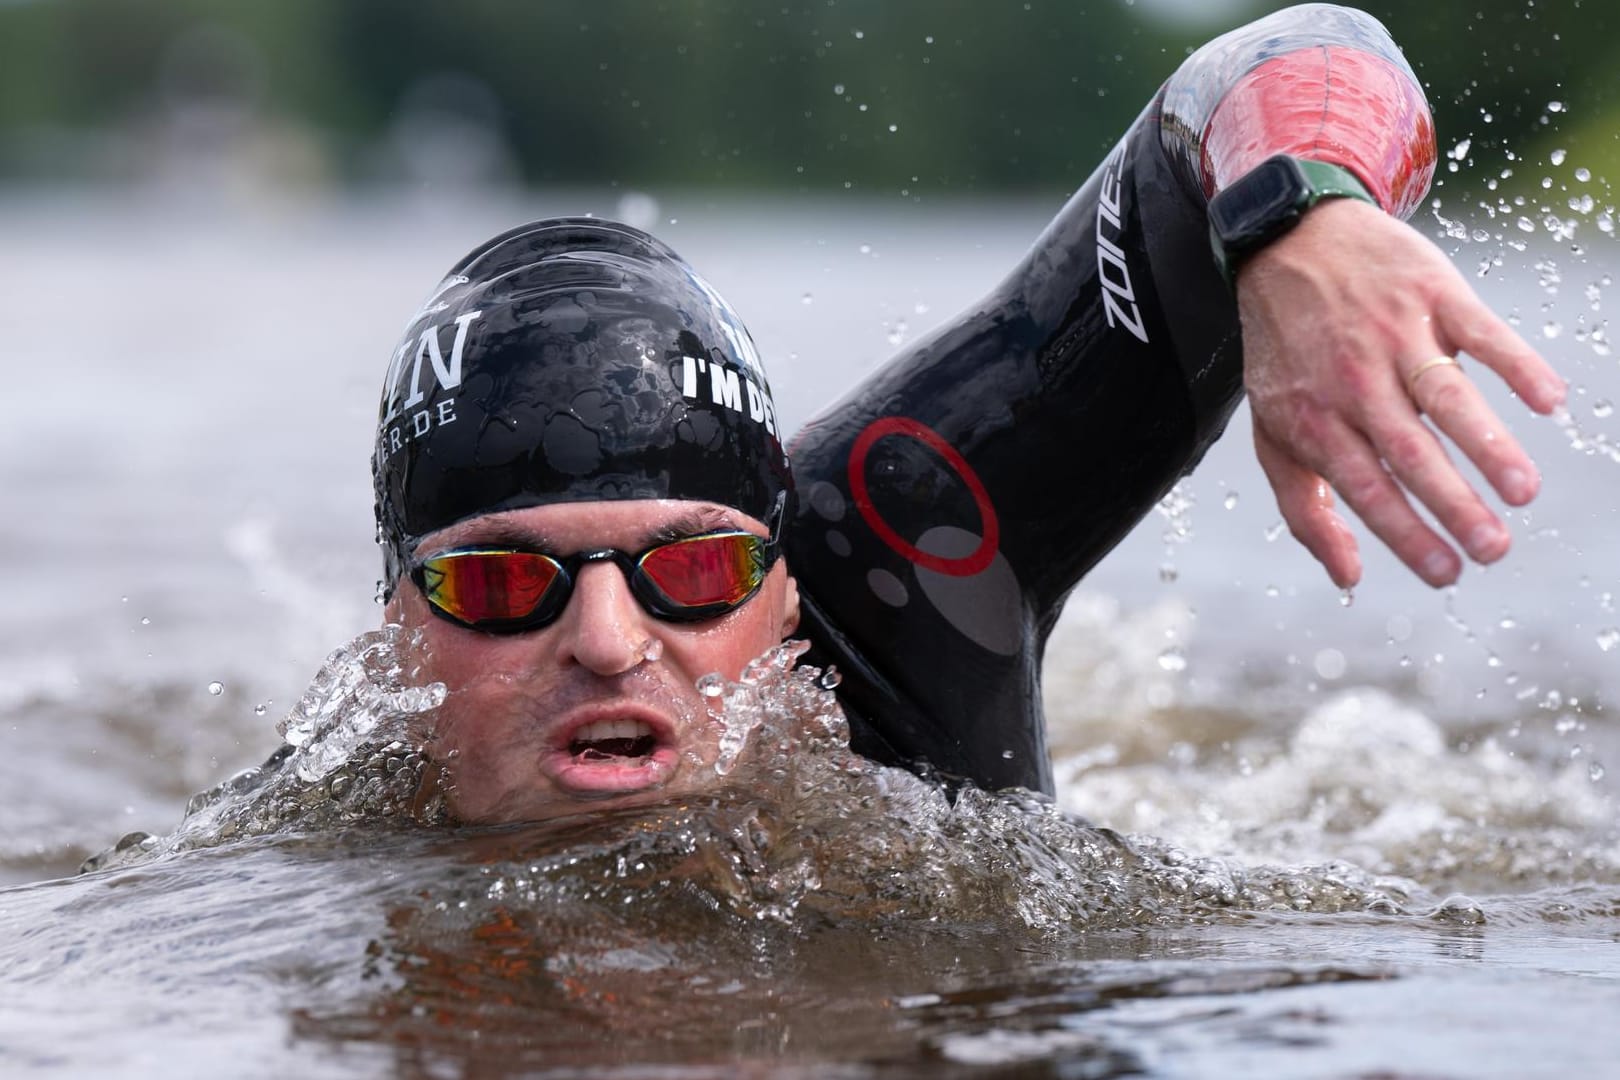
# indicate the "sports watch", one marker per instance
pixel 1268 200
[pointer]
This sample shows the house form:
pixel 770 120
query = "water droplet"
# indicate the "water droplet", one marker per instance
pixel 1608 638
pixel 1276 531
pixel 1006 755
pixel 1231 500
pixel 859 34
pixel 1460 151
pixel 1507 622
pixel 216 688
pixel 1347 597
pixel 1595 771
pixel 1330 664
pixel 866 249
pixel 1552 330
pixel 1603 409
pixel 1168 573
pixel 711 685
pixel 893 128
pixel 123 599
pixel 807 299
pixel 652 650
pixel 260 710
pixel 145 621
pixel 1557 156
pixel 838 88
pixel 1173 659
pixel 1555 106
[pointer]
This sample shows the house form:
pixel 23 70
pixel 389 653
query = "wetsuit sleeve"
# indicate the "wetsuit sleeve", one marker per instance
pixel 951 501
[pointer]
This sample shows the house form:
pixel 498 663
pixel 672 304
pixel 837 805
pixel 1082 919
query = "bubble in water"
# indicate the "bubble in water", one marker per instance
pixel 1173 659
pixel 1608 638
pixel 216 688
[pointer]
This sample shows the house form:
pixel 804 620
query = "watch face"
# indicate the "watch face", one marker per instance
pixel 1264 202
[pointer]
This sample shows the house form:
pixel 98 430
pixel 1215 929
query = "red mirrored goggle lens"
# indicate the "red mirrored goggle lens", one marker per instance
pixel 488 586
pixel 495 589
pixel 718 571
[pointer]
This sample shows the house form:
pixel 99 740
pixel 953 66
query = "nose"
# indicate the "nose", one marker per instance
pixel 602 629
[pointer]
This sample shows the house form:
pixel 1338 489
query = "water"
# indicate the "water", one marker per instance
pixel 1321 840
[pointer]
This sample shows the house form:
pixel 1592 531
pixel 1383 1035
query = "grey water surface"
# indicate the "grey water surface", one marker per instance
pixel 1293 836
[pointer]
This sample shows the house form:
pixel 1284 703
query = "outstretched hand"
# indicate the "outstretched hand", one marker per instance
pixel 1341 318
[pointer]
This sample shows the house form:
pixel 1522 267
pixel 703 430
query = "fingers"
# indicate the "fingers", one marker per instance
pixel 1476 330
pixel 1306 504
pixel 1350 462
pixel 1417 460
pixel 1455 405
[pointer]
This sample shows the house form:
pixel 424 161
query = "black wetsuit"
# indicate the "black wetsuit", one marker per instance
pixel 1075 400
pixel 949 504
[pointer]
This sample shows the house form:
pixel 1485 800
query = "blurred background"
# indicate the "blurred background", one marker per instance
pixel 215 217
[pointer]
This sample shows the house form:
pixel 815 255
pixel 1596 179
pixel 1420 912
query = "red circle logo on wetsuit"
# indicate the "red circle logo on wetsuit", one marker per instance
pixel 965 566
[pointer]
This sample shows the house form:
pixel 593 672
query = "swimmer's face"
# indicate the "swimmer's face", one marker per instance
pixel 600 707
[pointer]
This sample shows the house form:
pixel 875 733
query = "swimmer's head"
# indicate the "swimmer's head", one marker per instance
pixel 571 360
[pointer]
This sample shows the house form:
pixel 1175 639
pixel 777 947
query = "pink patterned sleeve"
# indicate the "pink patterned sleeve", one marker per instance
pixel 1316 81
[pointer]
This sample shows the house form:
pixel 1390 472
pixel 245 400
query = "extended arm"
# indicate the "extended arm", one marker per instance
pixel 951 501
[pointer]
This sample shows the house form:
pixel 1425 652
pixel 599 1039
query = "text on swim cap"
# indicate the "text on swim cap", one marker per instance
pixel 427 347
pixel 392 436
pixel 728 388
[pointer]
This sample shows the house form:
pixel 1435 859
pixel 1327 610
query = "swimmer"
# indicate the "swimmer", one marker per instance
pixel 586 502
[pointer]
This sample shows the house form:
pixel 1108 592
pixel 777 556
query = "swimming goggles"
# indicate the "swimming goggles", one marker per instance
pixel 506 590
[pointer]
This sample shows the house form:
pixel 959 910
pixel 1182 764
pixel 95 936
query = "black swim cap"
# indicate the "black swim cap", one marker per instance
pixel 570 360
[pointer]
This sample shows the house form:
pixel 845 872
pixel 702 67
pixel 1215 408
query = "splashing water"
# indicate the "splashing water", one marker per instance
pixel 351 755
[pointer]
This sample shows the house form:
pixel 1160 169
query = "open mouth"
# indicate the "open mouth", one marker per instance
pixel 614 753
pixel 613 740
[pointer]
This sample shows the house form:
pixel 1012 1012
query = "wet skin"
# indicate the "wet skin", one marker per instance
pixel 535 724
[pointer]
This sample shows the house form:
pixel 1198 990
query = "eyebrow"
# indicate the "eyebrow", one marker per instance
pixel 500 533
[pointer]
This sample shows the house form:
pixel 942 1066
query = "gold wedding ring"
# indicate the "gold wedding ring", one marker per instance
pixel 1427 366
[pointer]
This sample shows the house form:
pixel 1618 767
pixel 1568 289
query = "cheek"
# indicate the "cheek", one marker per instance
pixel 732 642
